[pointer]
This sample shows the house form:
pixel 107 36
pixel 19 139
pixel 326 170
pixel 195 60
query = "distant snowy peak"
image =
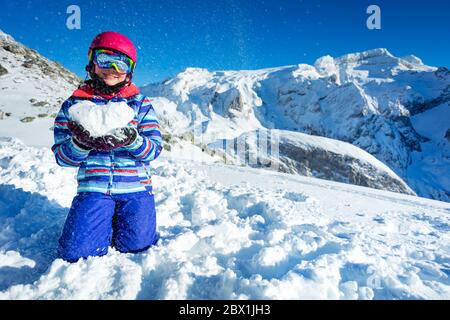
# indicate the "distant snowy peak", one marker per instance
pixel 383 57
pixel 365 55
pixel 364 66
pixel 323 67
pixel 368 65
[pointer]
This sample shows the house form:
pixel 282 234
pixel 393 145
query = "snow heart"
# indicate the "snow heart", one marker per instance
pixel 100 120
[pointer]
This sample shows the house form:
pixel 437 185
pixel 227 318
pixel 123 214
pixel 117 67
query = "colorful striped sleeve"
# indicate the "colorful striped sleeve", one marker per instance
pixel 149 142
pixel 67 154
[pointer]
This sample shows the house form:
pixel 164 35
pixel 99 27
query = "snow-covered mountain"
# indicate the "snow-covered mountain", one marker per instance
pixel 396 109
pixel 32 89
pixel 226 234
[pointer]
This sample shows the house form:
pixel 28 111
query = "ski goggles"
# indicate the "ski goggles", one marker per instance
pixel 104 58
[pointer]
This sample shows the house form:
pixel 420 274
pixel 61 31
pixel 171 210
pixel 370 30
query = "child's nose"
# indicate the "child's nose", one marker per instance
pixel 112 71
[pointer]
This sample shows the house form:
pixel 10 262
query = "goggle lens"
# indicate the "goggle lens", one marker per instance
pixel 110 59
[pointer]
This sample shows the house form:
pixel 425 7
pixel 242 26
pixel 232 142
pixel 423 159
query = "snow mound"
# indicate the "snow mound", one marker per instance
pixel 100 120
pixel 13 259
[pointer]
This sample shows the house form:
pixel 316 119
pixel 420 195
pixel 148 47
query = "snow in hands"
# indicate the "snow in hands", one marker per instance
pixel 226 234
pixel 101 120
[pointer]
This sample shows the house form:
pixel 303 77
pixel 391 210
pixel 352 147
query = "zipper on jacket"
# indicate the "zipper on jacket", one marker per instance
pixel 145 170
pixel 111 172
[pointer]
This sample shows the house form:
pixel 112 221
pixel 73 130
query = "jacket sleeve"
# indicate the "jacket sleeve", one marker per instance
pixel 67 154
pixel 149 143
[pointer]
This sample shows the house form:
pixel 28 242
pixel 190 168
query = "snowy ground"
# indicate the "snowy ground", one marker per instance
pixel 227 233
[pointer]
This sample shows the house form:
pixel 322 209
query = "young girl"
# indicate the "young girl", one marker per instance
pixel 114 205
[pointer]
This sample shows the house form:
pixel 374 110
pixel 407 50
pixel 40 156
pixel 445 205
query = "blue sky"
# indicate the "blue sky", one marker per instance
pixel 230 34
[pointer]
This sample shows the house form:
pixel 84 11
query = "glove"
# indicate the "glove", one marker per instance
pixel 120 137
pixel 81 137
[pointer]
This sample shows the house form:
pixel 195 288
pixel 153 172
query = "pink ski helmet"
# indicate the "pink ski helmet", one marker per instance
pixel 115 41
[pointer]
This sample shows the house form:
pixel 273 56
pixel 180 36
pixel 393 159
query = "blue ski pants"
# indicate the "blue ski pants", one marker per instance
pixel 97 221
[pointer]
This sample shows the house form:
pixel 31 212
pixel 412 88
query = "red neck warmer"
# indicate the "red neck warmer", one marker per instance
pixel 86 91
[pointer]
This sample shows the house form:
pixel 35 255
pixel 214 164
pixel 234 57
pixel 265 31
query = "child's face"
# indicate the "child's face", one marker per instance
pixel 110 76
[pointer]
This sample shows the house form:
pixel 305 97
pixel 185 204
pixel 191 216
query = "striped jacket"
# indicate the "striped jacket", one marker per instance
pixel 122 170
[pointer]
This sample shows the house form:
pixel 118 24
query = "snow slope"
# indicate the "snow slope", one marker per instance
pixel 312 156
pixel 227 232
pixel 32 89
pixel 433 163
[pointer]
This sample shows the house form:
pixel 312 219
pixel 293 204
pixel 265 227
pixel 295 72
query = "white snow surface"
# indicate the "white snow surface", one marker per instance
pixel 227 232
pixel 100 120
